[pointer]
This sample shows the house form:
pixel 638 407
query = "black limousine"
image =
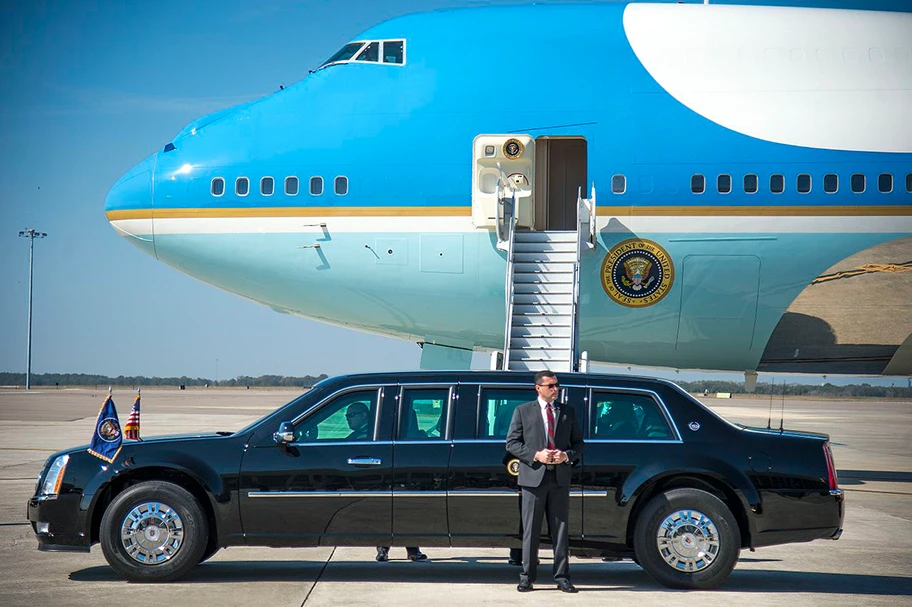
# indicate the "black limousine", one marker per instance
pixel 419 458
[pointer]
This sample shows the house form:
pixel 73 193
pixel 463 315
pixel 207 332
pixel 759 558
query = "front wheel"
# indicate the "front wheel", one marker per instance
pixel 687 538
pixel 153 532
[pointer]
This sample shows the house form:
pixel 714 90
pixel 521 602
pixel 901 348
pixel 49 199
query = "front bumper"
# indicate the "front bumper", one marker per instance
pixel 59 523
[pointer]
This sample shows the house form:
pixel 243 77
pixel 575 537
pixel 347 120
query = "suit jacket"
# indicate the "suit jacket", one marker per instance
pixel 527 436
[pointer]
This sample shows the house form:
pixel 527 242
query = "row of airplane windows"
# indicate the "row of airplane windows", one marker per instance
pixel 751 183
pixel 803 183
pixel 267 186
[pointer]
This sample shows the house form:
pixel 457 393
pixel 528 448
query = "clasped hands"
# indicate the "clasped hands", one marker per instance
pixel 551 456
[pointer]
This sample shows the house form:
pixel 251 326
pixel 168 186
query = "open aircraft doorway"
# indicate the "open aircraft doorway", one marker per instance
pixel 560 172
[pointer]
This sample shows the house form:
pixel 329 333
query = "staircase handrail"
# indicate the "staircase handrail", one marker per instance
pixel 582 207
pixel 509 291
pixel 503 183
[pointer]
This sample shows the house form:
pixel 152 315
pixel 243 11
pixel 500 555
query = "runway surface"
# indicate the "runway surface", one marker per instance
pixel 870 565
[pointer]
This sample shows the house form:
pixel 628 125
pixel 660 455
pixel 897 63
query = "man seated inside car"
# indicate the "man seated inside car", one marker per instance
pixel 358 416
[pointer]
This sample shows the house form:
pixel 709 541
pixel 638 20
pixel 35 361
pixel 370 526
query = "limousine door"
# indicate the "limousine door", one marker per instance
pixel 483 496
pixel 332 486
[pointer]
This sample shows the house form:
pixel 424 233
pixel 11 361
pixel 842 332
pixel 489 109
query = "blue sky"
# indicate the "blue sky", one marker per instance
pixel 87 90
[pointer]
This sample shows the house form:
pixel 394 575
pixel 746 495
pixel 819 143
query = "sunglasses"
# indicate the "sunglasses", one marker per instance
pixel 554 385
pixel 355 414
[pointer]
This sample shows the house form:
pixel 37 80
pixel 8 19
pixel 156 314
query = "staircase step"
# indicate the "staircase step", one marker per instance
pixel 545 257
pixel 551 247
pixel 543 298
pixel 532 331
pixel 563 288
pixel 543 268
pixel 552 236
pixel 559 354
pixel 540 320
pixel 549 309
pixel 554 278
pixel 533 343
pixel 521 365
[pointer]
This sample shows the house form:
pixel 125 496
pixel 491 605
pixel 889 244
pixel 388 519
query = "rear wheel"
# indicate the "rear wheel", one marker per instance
pixel 687 538
pixel 153 532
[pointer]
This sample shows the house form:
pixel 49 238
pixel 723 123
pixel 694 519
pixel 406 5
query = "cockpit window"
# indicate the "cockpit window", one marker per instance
pixel 371 52
pixel 345 53
pixel 393 51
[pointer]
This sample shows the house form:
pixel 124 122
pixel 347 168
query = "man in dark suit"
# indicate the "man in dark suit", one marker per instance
pixel 546 438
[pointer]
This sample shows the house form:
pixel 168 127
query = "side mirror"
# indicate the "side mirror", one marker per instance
pixel 285 434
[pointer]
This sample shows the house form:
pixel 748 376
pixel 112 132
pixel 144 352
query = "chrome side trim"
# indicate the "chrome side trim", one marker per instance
pixel 418 494
pixel 355 494
pixel 493 493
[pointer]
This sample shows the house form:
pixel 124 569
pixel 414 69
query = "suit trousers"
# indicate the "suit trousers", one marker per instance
pixel 551 500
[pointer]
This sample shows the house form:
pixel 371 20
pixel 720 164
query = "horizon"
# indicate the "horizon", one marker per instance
pixel 89 90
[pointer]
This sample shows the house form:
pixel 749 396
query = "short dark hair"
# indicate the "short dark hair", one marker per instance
pixel 542 375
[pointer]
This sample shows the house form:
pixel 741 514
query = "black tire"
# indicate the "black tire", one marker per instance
pixel 700 545
pixel 153 532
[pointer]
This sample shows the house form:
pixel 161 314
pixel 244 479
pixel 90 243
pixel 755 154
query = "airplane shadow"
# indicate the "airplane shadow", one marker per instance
pixel 588 577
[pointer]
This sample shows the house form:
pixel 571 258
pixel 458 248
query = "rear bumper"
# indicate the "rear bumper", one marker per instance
pixel 799 516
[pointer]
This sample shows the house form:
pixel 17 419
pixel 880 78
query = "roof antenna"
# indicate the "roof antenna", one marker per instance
pixel 769 420
pixel 782 411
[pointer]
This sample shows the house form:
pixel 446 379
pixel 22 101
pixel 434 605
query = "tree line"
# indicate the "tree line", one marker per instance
pixel 85 379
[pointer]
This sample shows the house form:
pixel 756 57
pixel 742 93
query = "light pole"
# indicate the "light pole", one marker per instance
pixel 31 234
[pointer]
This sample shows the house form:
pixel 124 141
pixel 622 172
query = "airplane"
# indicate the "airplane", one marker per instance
pixel 729 187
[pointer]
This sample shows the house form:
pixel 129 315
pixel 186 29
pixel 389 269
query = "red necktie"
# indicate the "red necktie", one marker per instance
pixel 550 411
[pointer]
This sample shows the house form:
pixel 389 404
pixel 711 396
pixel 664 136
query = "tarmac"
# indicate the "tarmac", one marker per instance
pixel 869 565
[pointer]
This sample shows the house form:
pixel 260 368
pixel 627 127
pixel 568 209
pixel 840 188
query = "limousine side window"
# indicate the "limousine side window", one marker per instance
pixel 622 416
pixel 496 409
pixel 341 419
pixel 423 414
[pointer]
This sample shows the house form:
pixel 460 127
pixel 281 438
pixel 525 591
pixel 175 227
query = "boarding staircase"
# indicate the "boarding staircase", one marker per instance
pixel 542 291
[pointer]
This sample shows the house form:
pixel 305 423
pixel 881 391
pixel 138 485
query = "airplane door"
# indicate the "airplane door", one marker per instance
pixel 508 161
pixel 560 171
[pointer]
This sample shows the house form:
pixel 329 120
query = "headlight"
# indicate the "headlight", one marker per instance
pixel 54 476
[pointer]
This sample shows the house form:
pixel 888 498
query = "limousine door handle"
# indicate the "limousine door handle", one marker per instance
pixel 364 461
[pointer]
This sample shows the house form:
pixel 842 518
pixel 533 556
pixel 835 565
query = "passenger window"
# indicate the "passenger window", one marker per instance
pixel 777 184
pixel 242 186
pixel 370 53
pixel 858 183
pixel 340 186
pixel 830 183
pixel 316 186
pixel 267 186
pixel 750 184
pixel 618 184
pixel 423 414
pixel 291 186
pixel 349 417
pixel 621 416
pixel 393 51
pixel 885 183
pixel 724 184
pixel 803 183
pixel 697 184
pixel 497 405
pixel 218 186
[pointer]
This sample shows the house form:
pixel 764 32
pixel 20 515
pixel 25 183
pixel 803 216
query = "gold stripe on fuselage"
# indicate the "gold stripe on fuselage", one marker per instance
pixel 603 211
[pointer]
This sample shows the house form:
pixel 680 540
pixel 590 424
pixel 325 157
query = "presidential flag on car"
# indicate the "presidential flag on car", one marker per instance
pixel 107 438
pixel 131 428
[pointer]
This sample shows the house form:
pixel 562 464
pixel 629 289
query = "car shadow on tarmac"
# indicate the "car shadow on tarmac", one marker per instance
pixel 588 577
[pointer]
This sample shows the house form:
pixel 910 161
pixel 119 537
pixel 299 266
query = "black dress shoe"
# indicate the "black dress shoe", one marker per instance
pixel 382 555
pixel 417 556
pixel 513 561
pixel 524 586
pixel 566 586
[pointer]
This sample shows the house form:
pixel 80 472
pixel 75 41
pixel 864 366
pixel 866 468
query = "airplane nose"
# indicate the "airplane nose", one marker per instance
pixel 128 205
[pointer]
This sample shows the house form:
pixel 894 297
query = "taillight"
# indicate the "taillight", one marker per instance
pixel 831 467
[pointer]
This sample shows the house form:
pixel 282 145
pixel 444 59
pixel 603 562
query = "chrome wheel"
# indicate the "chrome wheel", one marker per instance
pixel 152 533
pixel 688 540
